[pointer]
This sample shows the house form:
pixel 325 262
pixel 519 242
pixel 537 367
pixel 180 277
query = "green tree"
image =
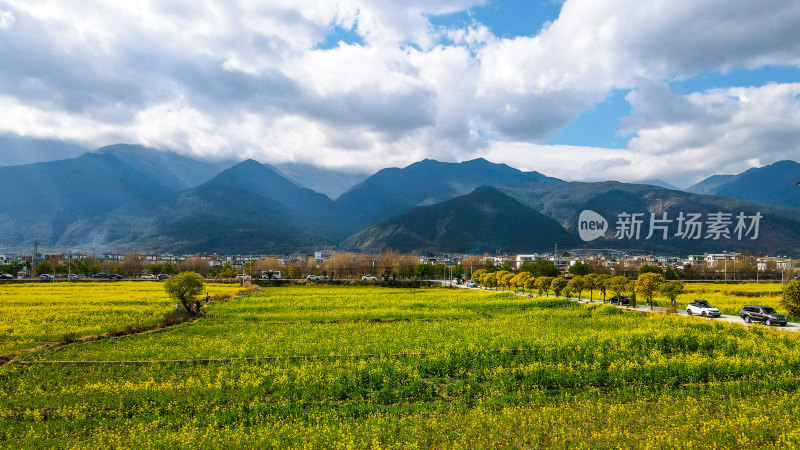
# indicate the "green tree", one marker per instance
pixel 78 266
pixel 580 268
pixel 576 285
pixel 185 287
pixel 44 266
pixel 672 289
pixel 558 285
pixel 602 284
pixel 169 268
pixel 671 274
pixel 154 269
pixel 520 279
pixel 647 285
pixel 504 279
pixel 93 267
pixel 591 283
pixel 530 284
pixel 226 271
pixel 543 285
pixel 496 279
pixel 541 268
pixel 791 298
pixel 424 271
pixel 650 269
pixel 617 285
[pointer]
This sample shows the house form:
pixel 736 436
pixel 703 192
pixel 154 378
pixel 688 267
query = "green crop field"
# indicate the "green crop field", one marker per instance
pixel 34 313
pixel 355 367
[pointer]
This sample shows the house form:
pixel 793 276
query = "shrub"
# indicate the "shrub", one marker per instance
pixel 791 298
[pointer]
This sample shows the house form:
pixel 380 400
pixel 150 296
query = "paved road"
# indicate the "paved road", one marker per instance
pixel 791 326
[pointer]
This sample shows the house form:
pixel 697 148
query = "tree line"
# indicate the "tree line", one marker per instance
pixel 646 286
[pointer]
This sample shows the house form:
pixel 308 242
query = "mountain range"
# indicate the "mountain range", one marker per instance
pixel 774 184
pixel 485 220
pixel 126 197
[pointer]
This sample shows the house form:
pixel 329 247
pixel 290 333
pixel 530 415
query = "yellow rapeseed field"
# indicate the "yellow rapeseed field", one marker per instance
pixel 371 367
pixel 32 313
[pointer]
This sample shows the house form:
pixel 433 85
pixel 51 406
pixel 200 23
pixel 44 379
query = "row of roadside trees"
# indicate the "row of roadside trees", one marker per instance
pixel 646 286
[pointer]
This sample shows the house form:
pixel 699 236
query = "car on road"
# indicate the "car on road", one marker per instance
pixel 101 275
pixel 6 276
pixel 242 276
pixel 311 277
pixel 369 278
pixel 765 314
pixel 114 276
pixel 162 276
pixel 73 276
pixel 472 284
pixel 46 276
pixel 622 300
pixel 702 308
pixel 149 276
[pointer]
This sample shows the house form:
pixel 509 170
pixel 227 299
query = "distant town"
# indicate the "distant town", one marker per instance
pixel 724 266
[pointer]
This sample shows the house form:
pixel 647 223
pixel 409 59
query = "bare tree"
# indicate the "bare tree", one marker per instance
pixel 195 264
pixel 133 264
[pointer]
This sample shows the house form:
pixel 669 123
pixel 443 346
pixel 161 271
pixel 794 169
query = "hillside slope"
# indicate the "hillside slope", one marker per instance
pixel 485 220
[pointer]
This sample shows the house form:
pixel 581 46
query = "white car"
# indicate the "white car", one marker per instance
pixel 242 276
pixel 472 284
pixel 702 308
pixel 149 276
pixel 369 278
pixel 312 277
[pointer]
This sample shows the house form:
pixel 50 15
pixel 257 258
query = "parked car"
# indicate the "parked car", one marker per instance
pixel 162 276
pixel 46 276
pixel 149 276
pixel 115 276
pixel 271 274
pixel 702 308
pixel 101 275
pixel 311 277
pixel 369 278
pixel 242 276
pixel 758 313
pixel 6 276
pixel 622 300
pixel 471 284
pixel 73 276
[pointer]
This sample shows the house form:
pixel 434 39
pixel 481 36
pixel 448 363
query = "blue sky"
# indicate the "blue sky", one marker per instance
pixel 666 89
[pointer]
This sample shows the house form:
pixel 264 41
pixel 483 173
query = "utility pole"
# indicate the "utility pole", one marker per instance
pixel 555 256
pixel 726 269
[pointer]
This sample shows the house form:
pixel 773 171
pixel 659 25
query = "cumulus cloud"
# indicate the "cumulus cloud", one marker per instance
pixel 721 130
pixel 249 79
pixel 6 19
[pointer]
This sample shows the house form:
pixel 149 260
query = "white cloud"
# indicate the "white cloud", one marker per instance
pixel 247 79
pixel 6 19
pixel 718 131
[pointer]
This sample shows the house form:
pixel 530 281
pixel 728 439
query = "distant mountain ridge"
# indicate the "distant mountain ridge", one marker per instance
pixel 393 191
pixel 42 199
pixel 325 181
pixel 774 184
pixel 126 197
pixel 485 220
